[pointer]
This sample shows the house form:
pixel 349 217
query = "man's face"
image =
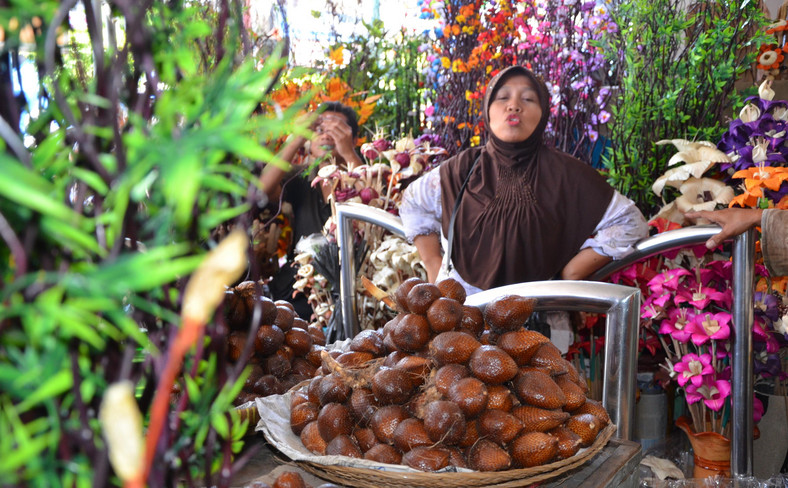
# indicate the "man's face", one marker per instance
pixel 323 142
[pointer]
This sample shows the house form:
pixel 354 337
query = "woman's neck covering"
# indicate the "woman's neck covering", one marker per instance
pixel 527 208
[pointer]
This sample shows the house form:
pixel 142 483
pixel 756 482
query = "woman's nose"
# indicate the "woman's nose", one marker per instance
pixel 513 107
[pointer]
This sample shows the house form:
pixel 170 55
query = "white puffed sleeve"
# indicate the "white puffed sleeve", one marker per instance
pixel 420 209
pixel 620 229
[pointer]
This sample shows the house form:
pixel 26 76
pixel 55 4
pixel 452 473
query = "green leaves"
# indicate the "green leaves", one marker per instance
pixel 111 214
pixel 676 81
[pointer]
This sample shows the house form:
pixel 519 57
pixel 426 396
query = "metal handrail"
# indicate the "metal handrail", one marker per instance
pixel 346 213
pixel 743 259
pixel 651 246
pixel 622 306
pixel 742 317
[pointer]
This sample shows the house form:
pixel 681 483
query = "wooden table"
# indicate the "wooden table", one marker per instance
pixel 616 465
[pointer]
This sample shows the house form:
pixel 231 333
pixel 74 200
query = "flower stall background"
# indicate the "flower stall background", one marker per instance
pixel 101 236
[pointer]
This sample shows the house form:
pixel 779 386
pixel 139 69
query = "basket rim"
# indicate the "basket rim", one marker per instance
pixel 363 477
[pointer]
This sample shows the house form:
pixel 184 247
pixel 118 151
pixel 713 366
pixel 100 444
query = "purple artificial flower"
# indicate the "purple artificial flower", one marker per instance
pixel 602 96
pixel 432 139
pixel 766 365
pixel 766 305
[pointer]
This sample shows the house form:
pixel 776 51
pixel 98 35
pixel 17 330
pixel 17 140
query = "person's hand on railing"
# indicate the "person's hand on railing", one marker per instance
pixel 733 221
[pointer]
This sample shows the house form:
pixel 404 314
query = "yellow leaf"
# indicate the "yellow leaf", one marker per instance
pixel 337 56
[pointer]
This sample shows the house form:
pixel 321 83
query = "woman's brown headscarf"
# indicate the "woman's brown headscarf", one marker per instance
pixel 527 207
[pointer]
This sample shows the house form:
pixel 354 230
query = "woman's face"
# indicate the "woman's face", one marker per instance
pixel 515 110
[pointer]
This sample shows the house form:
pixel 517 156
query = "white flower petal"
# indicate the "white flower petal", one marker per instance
pixel 749 113
pixel 765 90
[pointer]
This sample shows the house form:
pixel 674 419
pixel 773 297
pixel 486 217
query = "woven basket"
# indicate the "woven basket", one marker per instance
pixel 366 478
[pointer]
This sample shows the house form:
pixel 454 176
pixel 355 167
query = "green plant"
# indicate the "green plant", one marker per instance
pixel 145 143
pixel 382 63
pixel 674 72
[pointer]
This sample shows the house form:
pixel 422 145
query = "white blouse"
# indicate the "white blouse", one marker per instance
pixel 615 236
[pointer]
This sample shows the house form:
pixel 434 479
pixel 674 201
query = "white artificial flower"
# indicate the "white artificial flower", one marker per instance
pixel 765 90
pixel 780 113
pixel 749 113
pixel 306 270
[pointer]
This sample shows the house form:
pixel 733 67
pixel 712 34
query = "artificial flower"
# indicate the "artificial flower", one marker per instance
pixel 692 368
pixel 712 393
pixel 770 57
pixel 698 156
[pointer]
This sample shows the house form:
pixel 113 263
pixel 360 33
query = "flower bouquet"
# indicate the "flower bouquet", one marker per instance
pixel 687 293
pixel 687 307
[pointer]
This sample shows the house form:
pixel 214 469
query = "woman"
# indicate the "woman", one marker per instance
pixel 528 211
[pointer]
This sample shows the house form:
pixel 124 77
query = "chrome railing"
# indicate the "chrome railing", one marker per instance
pixel 742 317
pixel 622 306
pixel 743 257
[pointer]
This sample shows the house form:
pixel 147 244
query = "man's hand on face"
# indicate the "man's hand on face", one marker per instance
pixel 333 134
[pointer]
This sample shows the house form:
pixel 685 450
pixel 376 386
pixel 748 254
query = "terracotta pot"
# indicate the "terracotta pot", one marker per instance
pixel 712 451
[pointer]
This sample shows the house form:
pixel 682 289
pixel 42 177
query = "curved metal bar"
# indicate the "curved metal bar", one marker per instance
pixel 651 246
pixel 741 362
pixel 619 358
pixel 622 306
pixel 346 213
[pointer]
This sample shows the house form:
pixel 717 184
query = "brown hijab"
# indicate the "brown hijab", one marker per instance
pixel 527 208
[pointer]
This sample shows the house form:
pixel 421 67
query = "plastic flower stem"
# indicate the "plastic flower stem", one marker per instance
pixel 664 344
pixel 582 359
pixel 187 336
pixel 388 193
pixel 593 357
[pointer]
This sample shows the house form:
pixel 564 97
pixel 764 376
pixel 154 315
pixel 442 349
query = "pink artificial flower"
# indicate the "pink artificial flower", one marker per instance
pixel 693 368
pixel 382 144
pixel 677 324
pixel 699 296
pixel 712 392
pixel 707 326
pixel 757 409
pixel 654 306
pixel 668 280
pixel 403 158
pixel 760 333
pixel 367 194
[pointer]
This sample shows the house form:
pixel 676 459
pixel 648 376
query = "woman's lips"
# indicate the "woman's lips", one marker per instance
pixel 513 120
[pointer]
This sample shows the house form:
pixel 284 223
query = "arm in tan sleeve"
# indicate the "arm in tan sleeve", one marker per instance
pixel 774 241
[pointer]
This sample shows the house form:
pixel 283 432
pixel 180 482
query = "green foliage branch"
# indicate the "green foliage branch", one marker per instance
pixel 144 145
pixel 674 71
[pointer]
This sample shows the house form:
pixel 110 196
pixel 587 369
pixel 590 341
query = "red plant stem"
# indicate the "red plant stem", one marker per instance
pixel 187 336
